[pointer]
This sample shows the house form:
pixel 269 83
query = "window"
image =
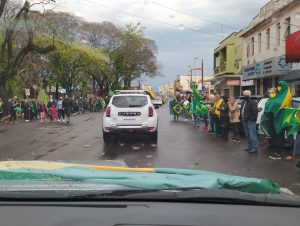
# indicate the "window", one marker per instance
pixel 252 46
pixel 259 42
pixel 129 101
pixel 278 33
pixel 268 38
pixel 287 22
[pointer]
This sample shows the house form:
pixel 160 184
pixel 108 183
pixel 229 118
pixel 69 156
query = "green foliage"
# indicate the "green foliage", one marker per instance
pixel 14 87
pixel 43 97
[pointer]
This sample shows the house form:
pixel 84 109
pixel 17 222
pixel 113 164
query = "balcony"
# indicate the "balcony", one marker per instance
pixel 220 69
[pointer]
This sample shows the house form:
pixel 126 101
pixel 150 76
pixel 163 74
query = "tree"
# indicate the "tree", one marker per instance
pixel 71 63
pixel 136 56
pixel 13 46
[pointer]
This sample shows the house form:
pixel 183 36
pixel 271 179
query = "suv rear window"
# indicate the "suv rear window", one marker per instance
pixel 129 101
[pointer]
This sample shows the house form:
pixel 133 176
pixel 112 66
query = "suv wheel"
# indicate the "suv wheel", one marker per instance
pixel 106 137
pixel 154 136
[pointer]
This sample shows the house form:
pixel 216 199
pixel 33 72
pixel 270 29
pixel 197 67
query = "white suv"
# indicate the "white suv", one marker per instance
pixel 130 112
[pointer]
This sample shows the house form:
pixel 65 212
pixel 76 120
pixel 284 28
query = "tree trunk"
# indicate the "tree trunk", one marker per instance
pixel 4 97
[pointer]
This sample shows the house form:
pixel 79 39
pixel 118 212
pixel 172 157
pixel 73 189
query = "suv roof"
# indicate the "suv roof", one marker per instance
pixel 130 92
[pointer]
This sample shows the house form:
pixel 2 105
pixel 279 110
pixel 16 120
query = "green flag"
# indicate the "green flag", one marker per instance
pixel 198 107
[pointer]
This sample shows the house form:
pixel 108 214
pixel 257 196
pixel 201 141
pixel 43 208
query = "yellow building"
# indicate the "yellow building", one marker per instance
pixel 228 63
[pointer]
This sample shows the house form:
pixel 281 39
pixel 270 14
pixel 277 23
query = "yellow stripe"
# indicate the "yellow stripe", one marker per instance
pixel 11 165
pixel 287 102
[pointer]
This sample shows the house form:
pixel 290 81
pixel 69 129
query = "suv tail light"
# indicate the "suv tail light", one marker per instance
pixel 108 111
pixel 150 111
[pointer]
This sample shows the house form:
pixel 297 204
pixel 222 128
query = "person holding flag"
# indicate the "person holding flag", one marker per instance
pixel 273 120
pixel 175 107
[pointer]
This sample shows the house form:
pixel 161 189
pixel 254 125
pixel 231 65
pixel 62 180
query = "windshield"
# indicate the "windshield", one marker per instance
pixel 129 101
pixel 147 94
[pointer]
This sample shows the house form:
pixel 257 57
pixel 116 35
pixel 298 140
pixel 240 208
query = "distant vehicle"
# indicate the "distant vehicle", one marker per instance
pixel 130 112
pixel 261 108
pixel 157 102
pixel 256 98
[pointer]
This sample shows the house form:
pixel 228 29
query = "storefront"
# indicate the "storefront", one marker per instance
pixel 228 85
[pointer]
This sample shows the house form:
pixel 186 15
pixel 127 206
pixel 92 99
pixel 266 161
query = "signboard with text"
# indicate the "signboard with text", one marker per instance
pixel 269 67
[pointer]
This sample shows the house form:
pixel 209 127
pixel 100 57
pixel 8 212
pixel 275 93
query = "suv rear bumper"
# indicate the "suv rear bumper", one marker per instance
pixel 131 129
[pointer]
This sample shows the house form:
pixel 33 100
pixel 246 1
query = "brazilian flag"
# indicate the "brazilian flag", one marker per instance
pixel 292 120
pixel 177 108
pixel 276 106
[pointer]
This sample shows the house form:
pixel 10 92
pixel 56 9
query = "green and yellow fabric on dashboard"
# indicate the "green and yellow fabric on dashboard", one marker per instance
pixel 135 178
pixel 276 106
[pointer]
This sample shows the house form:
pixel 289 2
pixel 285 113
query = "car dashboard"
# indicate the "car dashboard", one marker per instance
pixel 142 213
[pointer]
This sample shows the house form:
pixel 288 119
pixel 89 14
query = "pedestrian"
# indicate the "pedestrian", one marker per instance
pixel 53 112
pixel 91 103
pixel 67 107
pixel 234 118
pixel 35 109
pixel 249 117
pixel 60 111
pixel 31 111
pixel 296 152
pixel 224 118
pixel 13 111
pixel 42 111
pixel 1 109
pixel 80 106
pixel 215 121
pixel 26 109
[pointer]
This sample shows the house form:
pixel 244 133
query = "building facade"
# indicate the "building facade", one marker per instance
pixel 264 47
pixel 182 82
pixel 228 58
pixel 167 89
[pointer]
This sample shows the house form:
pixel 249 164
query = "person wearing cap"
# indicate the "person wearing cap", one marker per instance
pixel 249 116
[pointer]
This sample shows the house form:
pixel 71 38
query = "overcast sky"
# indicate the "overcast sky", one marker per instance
pixel 180 37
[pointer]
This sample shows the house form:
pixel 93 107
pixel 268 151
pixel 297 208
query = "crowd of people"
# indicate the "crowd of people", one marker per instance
pixel 224 115
pixel 59 110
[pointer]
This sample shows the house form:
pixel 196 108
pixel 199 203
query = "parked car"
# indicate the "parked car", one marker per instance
pixel 157 102
pixel 130 112
pixel 257 98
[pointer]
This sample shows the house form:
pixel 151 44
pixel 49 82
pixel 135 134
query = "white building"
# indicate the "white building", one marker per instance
pixel 264 47
pixel 167 89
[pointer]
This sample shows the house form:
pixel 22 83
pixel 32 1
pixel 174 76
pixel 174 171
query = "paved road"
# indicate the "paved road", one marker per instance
pixel 180 145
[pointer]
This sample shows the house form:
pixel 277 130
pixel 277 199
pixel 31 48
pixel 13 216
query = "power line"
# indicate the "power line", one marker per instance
pixel 188 14
pixel 156 21
pixel 214 22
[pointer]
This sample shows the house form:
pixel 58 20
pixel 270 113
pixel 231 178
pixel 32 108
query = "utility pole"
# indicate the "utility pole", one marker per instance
pixel 195 58
pixel 202 75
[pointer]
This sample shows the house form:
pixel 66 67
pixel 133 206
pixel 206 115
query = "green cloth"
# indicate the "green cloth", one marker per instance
pixel 110 93
pixel 276 107
pixel 291 120
pixel 161 178
pixel 103 104
pixel 198 107
pixel 172 103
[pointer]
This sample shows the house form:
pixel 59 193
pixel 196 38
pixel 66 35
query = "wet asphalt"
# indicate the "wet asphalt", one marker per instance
pixel 180 145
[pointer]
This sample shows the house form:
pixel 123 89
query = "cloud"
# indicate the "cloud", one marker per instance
pixel 180 37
